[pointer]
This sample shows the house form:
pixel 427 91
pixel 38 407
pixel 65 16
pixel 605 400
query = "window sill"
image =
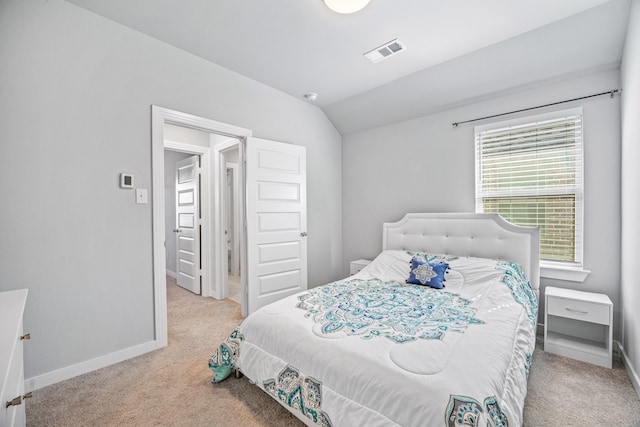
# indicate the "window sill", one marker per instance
pixel 550 270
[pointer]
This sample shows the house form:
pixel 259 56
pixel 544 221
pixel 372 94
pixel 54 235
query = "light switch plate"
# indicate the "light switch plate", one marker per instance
pixel 141 195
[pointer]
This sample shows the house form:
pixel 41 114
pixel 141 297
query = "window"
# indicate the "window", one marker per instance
pixel 530 172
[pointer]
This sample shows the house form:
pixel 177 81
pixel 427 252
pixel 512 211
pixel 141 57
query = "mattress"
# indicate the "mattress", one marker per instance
pixel 373 350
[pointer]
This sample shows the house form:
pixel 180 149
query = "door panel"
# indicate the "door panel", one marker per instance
pixel 276 221
pixel 278 252
pixel 187 224
pixel 279 191
pixel 278 282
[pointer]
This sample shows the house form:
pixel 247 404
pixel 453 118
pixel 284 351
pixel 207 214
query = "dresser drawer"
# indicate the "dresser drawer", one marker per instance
pixel 14 387
pixel 580 310
pixel 12 305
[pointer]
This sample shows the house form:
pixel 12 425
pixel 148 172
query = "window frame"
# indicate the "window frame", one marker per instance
pixel 572 271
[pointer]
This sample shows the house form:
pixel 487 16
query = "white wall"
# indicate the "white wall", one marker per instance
pixel 75 108
pixel 170 160
pixel 630 72
pixel 426 165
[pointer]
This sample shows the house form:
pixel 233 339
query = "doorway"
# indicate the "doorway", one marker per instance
pixel 183 219
pixel 221 137
pixel 186 186
pixel 271 195
pixel 187 197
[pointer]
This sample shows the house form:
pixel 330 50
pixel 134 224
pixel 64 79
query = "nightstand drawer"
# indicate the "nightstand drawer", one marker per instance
pixel 580 310
pixel 357 265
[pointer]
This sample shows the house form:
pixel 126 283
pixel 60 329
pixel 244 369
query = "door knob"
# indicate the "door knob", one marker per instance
pixel 303 234
pixel 177 230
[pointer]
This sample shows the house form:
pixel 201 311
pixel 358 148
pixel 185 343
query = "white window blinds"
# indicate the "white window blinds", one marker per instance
pixel 530 172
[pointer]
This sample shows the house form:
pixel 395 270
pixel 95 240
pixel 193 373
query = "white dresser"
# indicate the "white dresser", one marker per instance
pixel 12 394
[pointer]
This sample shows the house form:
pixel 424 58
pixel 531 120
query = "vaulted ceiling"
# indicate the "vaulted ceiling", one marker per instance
pixel 456 50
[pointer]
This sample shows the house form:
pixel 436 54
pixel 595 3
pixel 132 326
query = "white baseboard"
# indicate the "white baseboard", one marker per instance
pixel 172 274
pixel 43 380
pixel 631 372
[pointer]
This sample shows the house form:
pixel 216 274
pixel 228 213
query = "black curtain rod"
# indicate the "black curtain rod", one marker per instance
pixel 611 93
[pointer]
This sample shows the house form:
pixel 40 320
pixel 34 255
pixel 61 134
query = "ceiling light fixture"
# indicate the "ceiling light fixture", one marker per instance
pixel 346 6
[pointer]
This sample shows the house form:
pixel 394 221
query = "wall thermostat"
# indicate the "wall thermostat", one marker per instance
pixel 126 180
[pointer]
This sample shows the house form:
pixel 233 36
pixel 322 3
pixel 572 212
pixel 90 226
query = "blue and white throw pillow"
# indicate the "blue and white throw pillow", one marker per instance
pixel 428 273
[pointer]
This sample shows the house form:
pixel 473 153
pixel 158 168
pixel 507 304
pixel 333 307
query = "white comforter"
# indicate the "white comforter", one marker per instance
pixel 396 354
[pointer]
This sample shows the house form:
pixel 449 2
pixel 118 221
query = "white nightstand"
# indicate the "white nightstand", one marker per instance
pixel 357 265
pixel 578 325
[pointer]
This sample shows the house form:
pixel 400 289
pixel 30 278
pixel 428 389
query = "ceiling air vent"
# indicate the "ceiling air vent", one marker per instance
pixel 385 51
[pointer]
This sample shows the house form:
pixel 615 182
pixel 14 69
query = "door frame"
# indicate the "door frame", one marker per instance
pixel 160 116
pixel 235 217
pixel 220 187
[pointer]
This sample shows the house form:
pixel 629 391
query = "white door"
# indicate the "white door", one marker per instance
pixel 276 215
pixel 188 223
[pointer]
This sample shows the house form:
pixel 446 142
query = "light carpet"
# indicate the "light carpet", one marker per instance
pixel 171 386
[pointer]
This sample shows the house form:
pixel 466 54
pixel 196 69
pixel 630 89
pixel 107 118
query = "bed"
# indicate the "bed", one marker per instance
pixel 374 350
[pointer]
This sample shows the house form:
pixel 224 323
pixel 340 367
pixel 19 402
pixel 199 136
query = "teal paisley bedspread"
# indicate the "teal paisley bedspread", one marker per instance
pixel 406 317
pixel 225 358
pixel 373 308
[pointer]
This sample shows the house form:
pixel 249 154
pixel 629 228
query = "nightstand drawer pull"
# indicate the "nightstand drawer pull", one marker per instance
pixel 585 311
pixel 576 311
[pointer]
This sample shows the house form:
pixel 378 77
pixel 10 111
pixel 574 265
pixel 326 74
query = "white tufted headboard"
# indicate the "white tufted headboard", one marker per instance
pixel 467 234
